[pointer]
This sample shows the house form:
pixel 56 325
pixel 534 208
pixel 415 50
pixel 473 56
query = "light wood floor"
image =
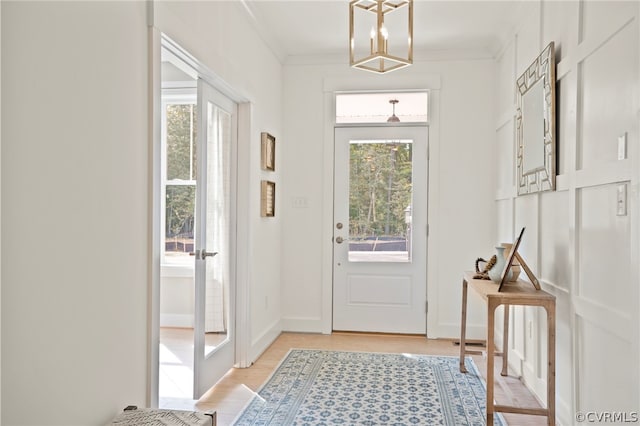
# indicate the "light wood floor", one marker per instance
pixel 236 388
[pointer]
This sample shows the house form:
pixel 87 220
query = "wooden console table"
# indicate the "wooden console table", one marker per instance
pixel 515 293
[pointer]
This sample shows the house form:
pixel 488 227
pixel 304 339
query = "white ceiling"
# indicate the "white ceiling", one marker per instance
pixel 316 28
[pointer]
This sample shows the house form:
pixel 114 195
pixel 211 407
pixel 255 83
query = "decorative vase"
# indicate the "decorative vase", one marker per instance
pixel 495 273
pixel 515 266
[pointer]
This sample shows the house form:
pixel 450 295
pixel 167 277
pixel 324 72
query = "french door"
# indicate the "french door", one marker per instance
pixel 380 224
pixel 214 326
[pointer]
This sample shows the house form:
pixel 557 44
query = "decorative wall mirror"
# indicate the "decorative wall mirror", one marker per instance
pixel 535 125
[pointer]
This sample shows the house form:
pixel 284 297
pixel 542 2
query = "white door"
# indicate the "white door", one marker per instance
pixel 214 347
pixel 380 229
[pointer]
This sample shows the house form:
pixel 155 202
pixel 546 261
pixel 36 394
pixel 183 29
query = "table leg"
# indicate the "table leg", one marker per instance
pixel 491 310
pixel 551 362
pixel 463 326
pixel 505 342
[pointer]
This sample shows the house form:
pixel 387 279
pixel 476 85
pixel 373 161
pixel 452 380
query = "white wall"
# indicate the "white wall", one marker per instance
pixel 580 249
pixel 74 211
pixel 177 301
pixel 461 214
pixel 222 37
pixel 75 188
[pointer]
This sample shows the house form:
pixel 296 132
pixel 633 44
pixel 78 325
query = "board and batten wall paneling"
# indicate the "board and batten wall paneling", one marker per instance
pixel 576 243
pixel 603 361
pixel 505 219
pixel 607 105
pixel 603 250
pixel 605 297
pixel 555 225
pixel 560 24
pixel 566 100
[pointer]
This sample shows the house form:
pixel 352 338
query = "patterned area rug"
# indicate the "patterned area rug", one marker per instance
pixel 356 388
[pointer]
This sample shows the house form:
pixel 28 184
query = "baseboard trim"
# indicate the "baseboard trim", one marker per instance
pixel 452 331
pixel 564 414
pixel 537 385
pixel 264 340
pixel 302 325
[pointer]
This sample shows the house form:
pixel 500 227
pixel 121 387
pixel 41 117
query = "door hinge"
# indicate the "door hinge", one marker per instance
pixel 427 229
pixel 426 307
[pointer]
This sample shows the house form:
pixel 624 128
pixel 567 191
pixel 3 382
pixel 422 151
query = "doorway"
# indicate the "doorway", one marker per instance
pixel 380 228
pixel 197 221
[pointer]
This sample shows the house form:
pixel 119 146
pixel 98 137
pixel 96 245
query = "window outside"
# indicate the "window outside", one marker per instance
pixel 180 179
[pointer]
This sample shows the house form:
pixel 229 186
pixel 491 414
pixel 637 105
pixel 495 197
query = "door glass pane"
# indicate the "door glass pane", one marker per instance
pixel 380 199
pixel 217 226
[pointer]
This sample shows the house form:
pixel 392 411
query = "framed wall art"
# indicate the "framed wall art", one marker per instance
pixel 267 198
pixel 268 157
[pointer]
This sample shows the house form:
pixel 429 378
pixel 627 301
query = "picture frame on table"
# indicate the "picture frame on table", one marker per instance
pixel 512 256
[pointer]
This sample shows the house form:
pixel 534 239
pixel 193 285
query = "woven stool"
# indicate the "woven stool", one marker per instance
pixel 132 416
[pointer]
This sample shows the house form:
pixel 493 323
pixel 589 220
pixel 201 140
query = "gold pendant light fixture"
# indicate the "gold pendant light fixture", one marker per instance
pixel 379 52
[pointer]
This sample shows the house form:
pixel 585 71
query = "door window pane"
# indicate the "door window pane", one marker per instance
pixel 218 227
pixel 380 197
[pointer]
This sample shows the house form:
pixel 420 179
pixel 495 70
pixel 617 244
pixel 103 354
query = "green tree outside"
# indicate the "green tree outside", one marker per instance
pixel 181 166
pixel 380 189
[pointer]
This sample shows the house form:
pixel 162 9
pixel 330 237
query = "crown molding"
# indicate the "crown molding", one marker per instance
pixel 255 19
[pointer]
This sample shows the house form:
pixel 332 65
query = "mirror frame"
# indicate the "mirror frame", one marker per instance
pixel 541 178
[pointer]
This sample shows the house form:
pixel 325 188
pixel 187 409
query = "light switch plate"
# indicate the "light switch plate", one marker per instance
pixel 621 202
pixel 622 146
pixel 299 202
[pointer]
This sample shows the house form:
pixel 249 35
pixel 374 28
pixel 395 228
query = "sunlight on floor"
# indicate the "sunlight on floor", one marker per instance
pixel 167 357
pixel 176 365
pixel 175 381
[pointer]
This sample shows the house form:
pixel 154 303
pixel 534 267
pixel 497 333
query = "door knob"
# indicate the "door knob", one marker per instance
pixel 202 254
pixel 339 240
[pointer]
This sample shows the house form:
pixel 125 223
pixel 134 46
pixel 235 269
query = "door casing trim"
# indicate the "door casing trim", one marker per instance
pixel 333 85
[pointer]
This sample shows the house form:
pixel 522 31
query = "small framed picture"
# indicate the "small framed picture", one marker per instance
pixel 267 198
pixel 268 152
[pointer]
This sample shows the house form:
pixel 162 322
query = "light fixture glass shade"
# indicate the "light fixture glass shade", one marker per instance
pixel 376 45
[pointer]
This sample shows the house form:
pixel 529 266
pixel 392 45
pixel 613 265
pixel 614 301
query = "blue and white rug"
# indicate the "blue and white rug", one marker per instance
pixel 312 387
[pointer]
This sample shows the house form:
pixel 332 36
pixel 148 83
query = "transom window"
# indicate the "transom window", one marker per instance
pixel 405 107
